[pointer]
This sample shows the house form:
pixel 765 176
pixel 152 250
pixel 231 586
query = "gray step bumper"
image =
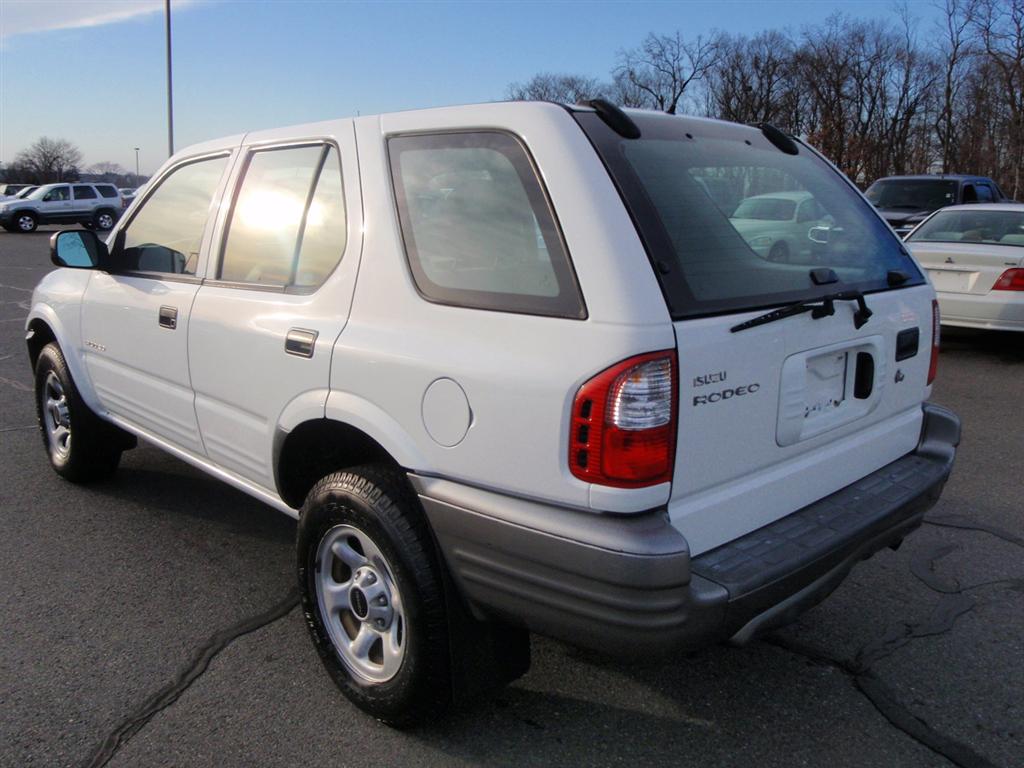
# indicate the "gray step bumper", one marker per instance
pixel 614 582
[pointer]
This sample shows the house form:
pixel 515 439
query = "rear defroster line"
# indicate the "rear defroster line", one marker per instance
pixel 170 693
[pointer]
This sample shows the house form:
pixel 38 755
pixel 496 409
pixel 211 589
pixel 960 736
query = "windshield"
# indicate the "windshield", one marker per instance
pixel 768 208
pixel 792 214
pixel 912 194
pixel 973 226
pixel 38 194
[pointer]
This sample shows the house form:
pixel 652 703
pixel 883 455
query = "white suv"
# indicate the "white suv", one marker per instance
pixel 512 369
pixel 96 206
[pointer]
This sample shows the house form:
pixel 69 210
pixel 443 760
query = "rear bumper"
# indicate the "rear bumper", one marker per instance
pixel 614 582
pixel 995 310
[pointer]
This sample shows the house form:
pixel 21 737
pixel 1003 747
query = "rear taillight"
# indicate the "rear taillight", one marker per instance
pixel 933 366
pixel 1010 280
pixel 623 426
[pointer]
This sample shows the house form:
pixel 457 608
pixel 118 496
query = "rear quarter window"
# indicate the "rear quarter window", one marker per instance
pixel 477 225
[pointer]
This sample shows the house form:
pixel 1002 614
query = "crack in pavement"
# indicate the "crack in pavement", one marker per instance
pixel 952 604
pixel 965 523
pixel 170 693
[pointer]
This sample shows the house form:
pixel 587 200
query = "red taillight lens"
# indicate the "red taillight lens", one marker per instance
pixel 933 367
pixel 1010 280
pixel 623 426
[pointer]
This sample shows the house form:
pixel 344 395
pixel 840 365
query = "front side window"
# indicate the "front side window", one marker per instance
pixel 478 229
pixel 971 226
pixel 675 178
pixel 85 193
pixel 57 194
pixel 166 233
pixel 287 227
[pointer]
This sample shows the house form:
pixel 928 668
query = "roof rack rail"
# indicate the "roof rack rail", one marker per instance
pixel 614 118
pixel 779 138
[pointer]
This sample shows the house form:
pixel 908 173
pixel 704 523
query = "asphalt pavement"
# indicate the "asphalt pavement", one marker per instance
pixel 149 620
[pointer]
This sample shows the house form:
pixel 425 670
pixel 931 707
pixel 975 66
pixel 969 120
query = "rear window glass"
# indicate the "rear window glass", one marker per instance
pixel 993 227
pixel 477 226
pixel 733 223
pixel 84 193
pixel 106 190
pixel 912 194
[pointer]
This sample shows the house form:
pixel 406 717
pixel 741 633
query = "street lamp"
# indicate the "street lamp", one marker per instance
pixel 136 166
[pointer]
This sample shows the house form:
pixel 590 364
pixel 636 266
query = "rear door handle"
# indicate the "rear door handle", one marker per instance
pixel 300 342
pixel 168 317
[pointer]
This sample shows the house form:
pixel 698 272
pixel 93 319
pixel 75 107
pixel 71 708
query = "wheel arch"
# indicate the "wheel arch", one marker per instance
pixel 43 327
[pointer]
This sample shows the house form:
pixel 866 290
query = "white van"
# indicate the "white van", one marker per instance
pixel 513 370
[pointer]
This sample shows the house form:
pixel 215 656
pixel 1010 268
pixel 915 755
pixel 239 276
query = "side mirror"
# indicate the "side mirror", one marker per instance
pixel 78 249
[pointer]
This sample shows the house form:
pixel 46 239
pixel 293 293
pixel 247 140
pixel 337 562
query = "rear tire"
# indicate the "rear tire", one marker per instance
pixel 373 594
pixel 81 447
pixel 104 221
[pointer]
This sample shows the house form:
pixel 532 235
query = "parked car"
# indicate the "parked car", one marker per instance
pixel 92 205
pixel 974 255
pixel 906 201
pixel 777 225
pixel 21 194
pixel 551 388
pixel 10 190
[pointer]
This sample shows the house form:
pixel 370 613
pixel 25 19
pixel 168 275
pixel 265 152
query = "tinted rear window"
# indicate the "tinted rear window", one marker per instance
pixel 970 226
pixel 715 206
pixel 912 194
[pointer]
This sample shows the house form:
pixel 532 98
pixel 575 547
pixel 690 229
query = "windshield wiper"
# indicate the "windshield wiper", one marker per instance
pixel 820 307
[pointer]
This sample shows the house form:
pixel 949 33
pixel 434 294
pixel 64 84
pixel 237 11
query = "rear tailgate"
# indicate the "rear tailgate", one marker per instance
pixel 966 268
pixel 777 416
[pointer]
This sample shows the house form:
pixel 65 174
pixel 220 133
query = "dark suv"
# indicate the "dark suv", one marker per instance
pixel 906 201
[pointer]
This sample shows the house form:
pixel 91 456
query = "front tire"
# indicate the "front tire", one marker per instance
pixel 81 447
pixel 373 594
pixel 26 222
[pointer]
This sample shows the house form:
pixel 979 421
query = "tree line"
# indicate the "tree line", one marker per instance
pixel 48 160
pixel 878 97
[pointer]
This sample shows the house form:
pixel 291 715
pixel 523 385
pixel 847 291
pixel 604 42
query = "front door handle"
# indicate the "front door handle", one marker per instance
pixel 168 317
pixel 300 342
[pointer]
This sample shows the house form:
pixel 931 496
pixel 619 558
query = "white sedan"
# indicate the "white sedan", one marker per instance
pixel 974 255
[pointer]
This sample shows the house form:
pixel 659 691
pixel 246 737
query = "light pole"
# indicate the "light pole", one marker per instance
pixel 170 100
pixel 136 166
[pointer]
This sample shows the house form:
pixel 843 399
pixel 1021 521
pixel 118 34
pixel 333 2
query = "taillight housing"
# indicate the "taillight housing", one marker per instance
pixel 1010 280
pixel 623 425
pixel 933 366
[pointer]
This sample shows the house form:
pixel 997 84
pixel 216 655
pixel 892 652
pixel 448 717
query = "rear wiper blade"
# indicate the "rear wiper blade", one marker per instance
pixel 820 307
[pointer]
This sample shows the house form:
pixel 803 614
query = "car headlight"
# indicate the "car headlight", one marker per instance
pixel 3 207
pixel 761 240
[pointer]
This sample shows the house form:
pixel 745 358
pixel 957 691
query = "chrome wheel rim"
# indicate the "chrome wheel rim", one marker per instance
pixel 105 221
pixel 360 604
pixel 26 223
pixel 56 416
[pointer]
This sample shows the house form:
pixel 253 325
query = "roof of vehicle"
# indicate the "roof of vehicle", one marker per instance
pixel 1007 206
pixel 934 177
pixel 795 196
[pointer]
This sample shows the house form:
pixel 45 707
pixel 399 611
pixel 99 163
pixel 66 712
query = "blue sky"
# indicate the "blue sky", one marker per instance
pixel 98 79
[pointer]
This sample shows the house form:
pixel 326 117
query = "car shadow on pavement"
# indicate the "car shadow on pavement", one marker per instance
pixel 1006 346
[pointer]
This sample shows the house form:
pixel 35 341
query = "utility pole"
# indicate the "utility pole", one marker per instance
pixel 170 97
pixel 136 166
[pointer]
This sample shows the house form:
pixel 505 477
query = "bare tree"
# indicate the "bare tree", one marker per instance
pixel 752 81
pixel 50 160
pixel 547 86
pixel 662 68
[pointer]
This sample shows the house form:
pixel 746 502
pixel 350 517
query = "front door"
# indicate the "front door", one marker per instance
pixel 135 317
pixel 55 207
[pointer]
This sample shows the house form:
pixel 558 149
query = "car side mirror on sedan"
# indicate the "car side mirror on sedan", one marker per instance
pixel 78 249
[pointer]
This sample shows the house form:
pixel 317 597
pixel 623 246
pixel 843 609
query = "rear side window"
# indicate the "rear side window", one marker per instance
pixel 165 234
pixel 478 228
pixel 287 227
pixel 106 190
pixel 84 193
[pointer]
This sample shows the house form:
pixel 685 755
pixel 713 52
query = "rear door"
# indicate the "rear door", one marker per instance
pixel 276 296
pixel 83 200
pixel 772 415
